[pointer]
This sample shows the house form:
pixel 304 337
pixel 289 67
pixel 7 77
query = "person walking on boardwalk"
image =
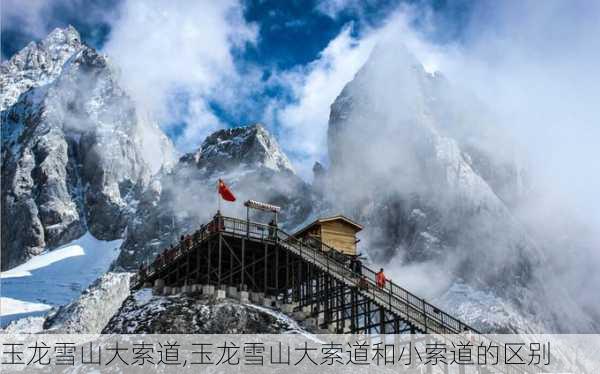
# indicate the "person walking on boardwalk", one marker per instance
pixel 272 229
pixel 380 278
pixel 356 265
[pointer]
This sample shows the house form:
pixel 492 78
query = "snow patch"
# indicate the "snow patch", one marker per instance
pixel 42 261
pixel 143 296
pixel 55 277
pixel 295 328
pixel 10 306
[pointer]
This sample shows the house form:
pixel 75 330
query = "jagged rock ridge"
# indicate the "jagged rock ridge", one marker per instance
pixel 74 150
pixel 240 147
pixel 178 201
pixel 90 313
pixel 37 64
pixel 437 188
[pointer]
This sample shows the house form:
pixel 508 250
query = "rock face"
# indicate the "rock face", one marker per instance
pixel 427 194
pixel 414 159
pixel 437 186
pixel 248 159
pixel 74 149
pixel 93 309
pixel 248 147
pixel 37 64
pixel 143 313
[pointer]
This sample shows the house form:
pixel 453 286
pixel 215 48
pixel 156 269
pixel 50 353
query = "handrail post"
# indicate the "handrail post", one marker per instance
pixel 248 222
pixel 424 316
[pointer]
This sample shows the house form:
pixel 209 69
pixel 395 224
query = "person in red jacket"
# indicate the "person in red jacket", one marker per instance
pixel 380 278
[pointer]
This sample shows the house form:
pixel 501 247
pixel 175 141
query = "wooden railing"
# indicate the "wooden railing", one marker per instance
pixel 427 317
pixel 393 297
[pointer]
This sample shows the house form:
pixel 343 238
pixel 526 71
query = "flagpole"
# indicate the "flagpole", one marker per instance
pixel 218 198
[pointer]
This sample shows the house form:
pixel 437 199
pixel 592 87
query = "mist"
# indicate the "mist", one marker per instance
pixel 534 67
pixel 533 64
pixel 496 138
pixel 175 58
pixel 492 137
pixel 476 160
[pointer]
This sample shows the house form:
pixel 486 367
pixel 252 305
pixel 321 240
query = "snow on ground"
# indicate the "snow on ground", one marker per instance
pixel 292 323
pixel 23 306
pixel 484 310
pixel 54 278
pixel 24 270
pixel 27 325
pixel 143 296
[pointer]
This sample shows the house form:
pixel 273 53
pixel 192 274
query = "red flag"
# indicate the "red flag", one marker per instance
pixel 224 191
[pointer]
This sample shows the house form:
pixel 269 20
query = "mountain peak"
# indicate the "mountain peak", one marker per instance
pixel 74 139
pixel 59 36
pixel 252 146
pixel 37 64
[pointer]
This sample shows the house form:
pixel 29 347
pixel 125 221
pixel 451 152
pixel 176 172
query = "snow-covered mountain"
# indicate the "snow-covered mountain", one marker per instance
pixel 55 278
pixel 74 149
pixel 247 147
pixel 83 169
pixel 434 182
pixel 178 201
pixel 37 64
pixel 438 185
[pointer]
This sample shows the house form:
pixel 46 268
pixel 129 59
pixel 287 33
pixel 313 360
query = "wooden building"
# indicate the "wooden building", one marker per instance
pixel 338 232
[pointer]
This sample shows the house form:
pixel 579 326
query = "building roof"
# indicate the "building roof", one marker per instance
pixel 338 217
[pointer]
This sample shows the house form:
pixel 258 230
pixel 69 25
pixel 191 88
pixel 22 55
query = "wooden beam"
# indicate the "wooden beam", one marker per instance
pixel 243 265
pixel 220 258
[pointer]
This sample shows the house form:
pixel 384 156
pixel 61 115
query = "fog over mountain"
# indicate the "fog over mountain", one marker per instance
pixel 472 167
pixel 74 148
pixel 441 191
pixel 180 200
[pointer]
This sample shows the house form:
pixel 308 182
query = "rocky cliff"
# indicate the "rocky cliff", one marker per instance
pixel 416 160
pixel 438 187
pixel 180 200
pixel 91 311
pixel 74 149
pixel 143 313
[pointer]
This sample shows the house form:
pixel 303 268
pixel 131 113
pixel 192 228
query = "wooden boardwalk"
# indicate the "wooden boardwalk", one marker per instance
pixel 257 257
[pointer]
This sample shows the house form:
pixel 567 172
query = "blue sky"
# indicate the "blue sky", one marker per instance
pixel 197 66
pixel 281 23
pixel 259 59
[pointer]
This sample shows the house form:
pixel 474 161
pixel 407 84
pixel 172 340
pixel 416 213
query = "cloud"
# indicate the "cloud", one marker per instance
pixel 175 58
pixel 169 51
pixel 30 16
pixel 34 19
pixel 334 8
pixel 534 64
pixel 531 66
pixel 303 120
